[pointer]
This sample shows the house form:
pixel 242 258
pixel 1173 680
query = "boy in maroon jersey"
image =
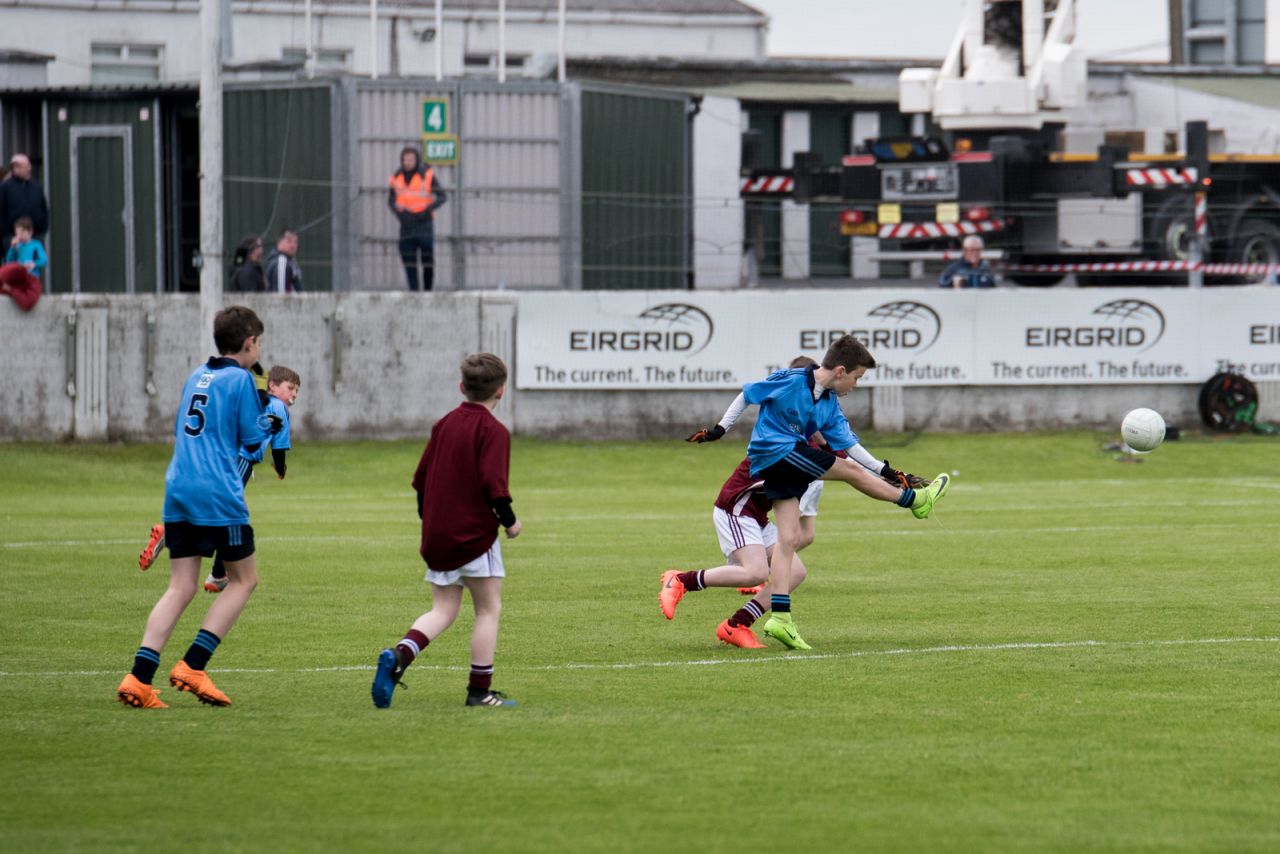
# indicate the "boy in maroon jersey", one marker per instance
pixel 461 484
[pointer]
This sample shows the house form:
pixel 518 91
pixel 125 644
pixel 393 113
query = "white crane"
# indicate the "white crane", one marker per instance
pixel 1012 65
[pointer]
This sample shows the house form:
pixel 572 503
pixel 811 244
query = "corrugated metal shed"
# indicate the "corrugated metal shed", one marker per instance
pixel 635 194
pixel 278 172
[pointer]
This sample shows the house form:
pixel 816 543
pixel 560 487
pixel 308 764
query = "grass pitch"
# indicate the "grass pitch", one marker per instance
pixel 1074 654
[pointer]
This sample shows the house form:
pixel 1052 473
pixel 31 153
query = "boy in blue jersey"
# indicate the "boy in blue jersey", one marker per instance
pixel 281 391
pixel 204 509
pixel 794 404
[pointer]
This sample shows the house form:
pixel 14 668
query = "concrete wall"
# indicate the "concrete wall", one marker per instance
pixel 384 365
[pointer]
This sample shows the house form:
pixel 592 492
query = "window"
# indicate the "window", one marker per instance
pixel 124 63
pixel 1208 53
pixel 1251 32
pixel 479 62
pixel 337 59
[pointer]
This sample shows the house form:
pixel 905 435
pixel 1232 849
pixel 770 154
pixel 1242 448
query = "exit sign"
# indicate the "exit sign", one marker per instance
pixel 440 150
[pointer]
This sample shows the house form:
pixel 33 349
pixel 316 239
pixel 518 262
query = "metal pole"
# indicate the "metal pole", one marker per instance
pixel 309 60
pixel 560 27
pixel 439 39
pixel 502 41
pixel 210 169
pixel 373 39
pixel 1195 278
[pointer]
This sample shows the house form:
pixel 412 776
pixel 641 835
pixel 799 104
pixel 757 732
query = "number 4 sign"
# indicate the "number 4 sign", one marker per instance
pixel 435 117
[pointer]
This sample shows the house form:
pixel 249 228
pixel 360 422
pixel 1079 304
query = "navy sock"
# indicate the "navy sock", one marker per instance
pixel 145 662
pixel 197 657
pixel 781 603
pixel 907 498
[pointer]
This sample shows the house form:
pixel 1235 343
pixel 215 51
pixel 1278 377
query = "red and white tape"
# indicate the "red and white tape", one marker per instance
pixel 910 230
pixel 768 184
pixel 1144 267
pixel 1159 177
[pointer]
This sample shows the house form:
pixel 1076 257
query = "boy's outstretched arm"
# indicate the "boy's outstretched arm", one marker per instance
pixel 731 415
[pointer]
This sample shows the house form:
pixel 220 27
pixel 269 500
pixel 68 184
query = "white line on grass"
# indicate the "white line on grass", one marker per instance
pixel 713 662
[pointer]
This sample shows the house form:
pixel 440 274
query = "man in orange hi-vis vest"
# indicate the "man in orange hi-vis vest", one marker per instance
pixel 414 196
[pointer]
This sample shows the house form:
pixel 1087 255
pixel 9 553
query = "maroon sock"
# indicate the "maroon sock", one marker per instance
pixel 481 679
pixel 692 580
pixel 747 614
pixel 411 647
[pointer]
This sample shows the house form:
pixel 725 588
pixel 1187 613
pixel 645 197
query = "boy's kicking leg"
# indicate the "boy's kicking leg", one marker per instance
pixel 486 596
pixel 392 662
pixel 919 501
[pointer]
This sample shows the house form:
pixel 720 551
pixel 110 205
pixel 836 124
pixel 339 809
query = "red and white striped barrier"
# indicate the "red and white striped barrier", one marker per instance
pixel 1146 267
pixel 1160 177
pixel 1202 214
pixel 776 184
pixel 920 230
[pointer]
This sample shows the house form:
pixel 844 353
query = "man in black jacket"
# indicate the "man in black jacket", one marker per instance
pixel 20 196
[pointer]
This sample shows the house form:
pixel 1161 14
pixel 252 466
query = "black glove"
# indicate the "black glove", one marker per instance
pixel 276 422
pixel 419 494
pixel 707 434
pixel 277 462
pixel 903 479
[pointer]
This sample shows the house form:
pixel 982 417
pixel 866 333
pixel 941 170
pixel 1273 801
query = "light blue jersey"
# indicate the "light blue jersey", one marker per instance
pixel 280 441
pixel 220 413
pixel 789 414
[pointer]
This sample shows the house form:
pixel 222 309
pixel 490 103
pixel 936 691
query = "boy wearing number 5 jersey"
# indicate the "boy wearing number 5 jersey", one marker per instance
pixel 204 509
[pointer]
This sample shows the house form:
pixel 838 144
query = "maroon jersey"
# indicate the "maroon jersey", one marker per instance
pixel 463 469
pixel 742 495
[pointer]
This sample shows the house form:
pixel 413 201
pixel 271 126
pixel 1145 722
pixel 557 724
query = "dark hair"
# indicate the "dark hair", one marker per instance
pixel 802 362
pixel 244 249
pixel 234 325
pixel 411 149
pixel 24 222
pixel 849 352
pixel 482 375
pixel 280 374
pixel 285 231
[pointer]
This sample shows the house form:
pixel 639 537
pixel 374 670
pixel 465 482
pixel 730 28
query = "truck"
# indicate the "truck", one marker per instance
pixel 998 169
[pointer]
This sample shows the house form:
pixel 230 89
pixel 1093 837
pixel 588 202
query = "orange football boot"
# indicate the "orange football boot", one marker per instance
pixel 134 692
pixel 738 636
pixel 672 592
pixel 197 682
pixel 154 545
pixel 750 591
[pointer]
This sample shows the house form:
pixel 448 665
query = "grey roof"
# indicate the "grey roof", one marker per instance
pixel 653 7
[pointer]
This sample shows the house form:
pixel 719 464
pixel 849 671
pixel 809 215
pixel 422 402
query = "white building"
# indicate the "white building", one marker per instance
pixel 118 41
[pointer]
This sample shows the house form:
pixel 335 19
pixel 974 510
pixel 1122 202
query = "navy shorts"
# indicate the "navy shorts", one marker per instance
pixel 231 542
pixel 790 476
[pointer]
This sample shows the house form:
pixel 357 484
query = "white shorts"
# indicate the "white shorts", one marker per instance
pixel 735 532
pixel 809 501
pixel 488 565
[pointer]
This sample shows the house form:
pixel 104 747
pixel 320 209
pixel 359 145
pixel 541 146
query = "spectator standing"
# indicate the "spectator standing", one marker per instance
pixel 970 271
pixel 21 196
pixel 284 276
pixel 414 196
pixel 246 266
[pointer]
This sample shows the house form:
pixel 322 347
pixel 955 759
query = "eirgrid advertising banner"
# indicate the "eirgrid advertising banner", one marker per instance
pixel 719 340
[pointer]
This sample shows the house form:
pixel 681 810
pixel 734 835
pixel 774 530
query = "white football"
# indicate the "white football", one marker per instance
pixel 1142 430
